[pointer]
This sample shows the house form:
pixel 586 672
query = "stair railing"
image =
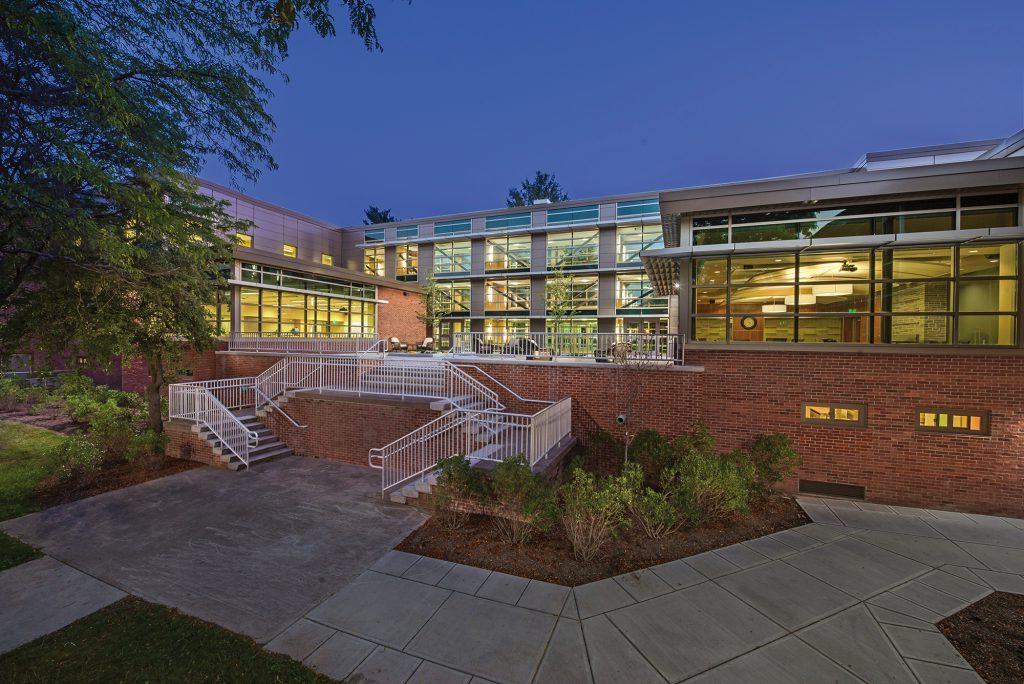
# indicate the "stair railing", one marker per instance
pixel 196 402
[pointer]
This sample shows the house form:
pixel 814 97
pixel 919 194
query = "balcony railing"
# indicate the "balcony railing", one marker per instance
pixel 302 343
pixel 608 347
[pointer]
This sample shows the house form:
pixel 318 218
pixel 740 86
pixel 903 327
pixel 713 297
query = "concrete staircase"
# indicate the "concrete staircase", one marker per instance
pixel 268 448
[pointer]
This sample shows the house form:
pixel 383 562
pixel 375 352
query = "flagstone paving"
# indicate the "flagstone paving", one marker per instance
pixel 852 597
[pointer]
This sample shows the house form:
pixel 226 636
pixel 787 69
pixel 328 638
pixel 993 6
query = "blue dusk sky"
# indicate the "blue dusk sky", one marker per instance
pixel 470 96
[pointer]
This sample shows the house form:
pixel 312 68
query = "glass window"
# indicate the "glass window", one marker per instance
pixel 243 239
pixel 289 251
pixel 837 228
pixel 452 257
pixel 572 215
pixel 819 267
pixel 499 330
pixel 452 227
pixel 764 268
pixel 375 235
pixel 915 264
pixel 766 233
pixel 507 222
pixel 507 294
pixel 407 232
pixel 637 208
pixel 508 253
pixel 709 329
pixel 711 236
pixel 922 223
pixel 373 261
pixel 988 218
pixel 580 296
pixel 709 221
pixel 634 239
pixel 999 260
pixel 976 329
pixel 988 200
pixel 574 249
pixel 954 420
pixel 710 271
pixel 455 297
pixel 842 415
pixel 327 260
pixel 407 262
pixel 635 294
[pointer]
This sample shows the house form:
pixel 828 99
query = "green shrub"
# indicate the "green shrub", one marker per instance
pixel 457 481
pixel 652 511
pixel 528 500
pixel 77 458
pixel 147 444
pixel 113 430
pixel 654 453
pixel 774 459
pixel 12 394
pixel 36 395
pixel 591 512
pixel 705 486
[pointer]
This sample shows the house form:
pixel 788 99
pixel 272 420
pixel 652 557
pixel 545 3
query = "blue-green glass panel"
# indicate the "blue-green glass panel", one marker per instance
pixel 637 208
pixel 508 222
pixel 586 214
pixel 451 227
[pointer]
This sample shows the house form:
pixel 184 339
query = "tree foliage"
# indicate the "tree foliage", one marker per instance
pixel 437 303
pixel 107 109
pixel 377 215
pixel 542 186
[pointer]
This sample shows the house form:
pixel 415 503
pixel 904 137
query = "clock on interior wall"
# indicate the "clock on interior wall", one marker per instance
pixel 748 322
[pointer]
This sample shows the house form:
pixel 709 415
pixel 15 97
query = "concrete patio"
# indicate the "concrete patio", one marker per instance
pixel 250 551
pixel 853 597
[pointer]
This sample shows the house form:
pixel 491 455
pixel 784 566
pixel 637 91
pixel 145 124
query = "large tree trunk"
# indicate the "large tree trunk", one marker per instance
pixel 155 363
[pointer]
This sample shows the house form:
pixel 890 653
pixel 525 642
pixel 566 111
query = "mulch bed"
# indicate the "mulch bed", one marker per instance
pixel 49 418
pixel 990 636
pixel 110 477
pixel 549 556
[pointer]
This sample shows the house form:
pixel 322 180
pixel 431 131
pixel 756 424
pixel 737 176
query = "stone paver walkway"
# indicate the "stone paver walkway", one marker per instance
pixel 852 597
pixel 44 595
pixel 250 551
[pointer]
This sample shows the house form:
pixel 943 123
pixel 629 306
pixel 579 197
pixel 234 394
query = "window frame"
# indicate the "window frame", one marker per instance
pixel 985 416
pixel 832 421
pixel 326 259
pixel 286 247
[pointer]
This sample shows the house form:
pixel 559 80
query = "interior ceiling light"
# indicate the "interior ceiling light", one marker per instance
pixel 773 308
pixel 804 299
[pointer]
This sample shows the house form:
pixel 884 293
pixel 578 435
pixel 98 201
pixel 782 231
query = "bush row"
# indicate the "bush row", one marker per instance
pixel 666 484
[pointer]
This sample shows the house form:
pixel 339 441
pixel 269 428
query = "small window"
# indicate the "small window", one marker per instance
pixel 954 420
pixel 840 415
pixel 407 232
pixel 243 239
pixel 289 251
pixel 82 361
pixel 376 235
pixel 508 222
pixel 452 227
pixel 326 259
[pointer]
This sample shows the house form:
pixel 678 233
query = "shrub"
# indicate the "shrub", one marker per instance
pixel 77 458
pixel 12 394
pixel 774 459
pixel 527 499
pixel 654 453
pixel 591 513
pixel 457 481
pixel 112 429
pixel 705 486
pixel 36 395
pixel 652 511
pixel 148 444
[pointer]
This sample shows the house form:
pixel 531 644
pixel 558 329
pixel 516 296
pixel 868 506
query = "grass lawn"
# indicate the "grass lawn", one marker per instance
pixel 135 641
pixel 23 465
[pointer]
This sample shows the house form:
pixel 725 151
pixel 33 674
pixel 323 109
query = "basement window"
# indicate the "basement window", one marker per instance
pixel 954 420
pixel 839 415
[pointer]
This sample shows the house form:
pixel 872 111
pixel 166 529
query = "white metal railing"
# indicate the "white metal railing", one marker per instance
pixel 303 343
pixel 600 346
pixel 372 374
pixel 204 404
pixel 482 435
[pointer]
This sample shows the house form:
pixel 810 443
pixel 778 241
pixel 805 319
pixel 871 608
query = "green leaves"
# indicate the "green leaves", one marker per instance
pixel 542 186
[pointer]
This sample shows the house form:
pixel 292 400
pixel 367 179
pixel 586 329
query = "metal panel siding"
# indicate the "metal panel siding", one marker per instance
pixel 426 229
pixel 606 294
pixel 390 262
pixel 426 261
pixel 540 218
pixel 606 212
pixel 477 252
pixel 538 252
pixel 606 247
pixel 476 298
pixel 538 296
pixel 477 224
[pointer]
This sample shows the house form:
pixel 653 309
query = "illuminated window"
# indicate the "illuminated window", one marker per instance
pixel 507 295
pixel 373 261
pixel 407 262
pixel 840 415
pixel 452 257
pixel 954 420
pixel 326 260
pixel 574 249
pixel 634 239
pixel 508 253
pixel 243 239
pixel 454 297
pixel 289 251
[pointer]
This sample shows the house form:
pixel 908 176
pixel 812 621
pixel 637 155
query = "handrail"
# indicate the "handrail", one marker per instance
pixel 277 406
pixel 504 386
pixel 196 402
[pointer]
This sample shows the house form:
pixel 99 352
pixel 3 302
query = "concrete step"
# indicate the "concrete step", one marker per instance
pixel 234 463
pixel 410 491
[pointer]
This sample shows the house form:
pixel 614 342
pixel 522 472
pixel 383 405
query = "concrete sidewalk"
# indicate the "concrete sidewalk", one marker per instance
pixel 853 597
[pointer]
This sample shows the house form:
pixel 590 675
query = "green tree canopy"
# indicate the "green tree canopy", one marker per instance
pixel 377 215
pixel 108 108
pixel 541 186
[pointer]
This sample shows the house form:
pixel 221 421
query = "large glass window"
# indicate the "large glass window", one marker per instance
pixel 568 216
pixel 407 232
pixel 452 227
pixel 879 218
pixel 578 296
pixel 507 294
pixel 500 330
pixel 637 208
pixel 919 295
pixel 274 312
pixel 454 297
pixel 219 313
pixel 452 257
pixel 375 235
pixel 573 249
pixel 373 261
pixel 634 239
pixel 634 294
pixel 508 253
pixel 507 222
pixel 407 262
pixel 296 280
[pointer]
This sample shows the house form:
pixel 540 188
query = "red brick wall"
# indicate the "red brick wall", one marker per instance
pixel 345 428
pixel 203 366
pixel 743 394
pixel 185 444
pixel 397 318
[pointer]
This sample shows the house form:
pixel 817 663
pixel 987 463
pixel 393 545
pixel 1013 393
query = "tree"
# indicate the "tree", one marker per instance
pixel 437 303
pixel 559 304
pixel 542 186
pixel 377 215
pixel 107 109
